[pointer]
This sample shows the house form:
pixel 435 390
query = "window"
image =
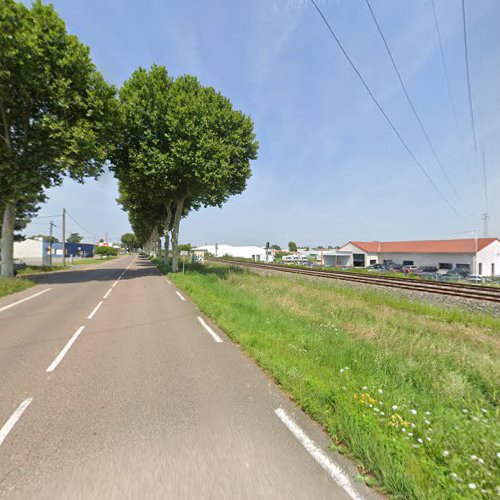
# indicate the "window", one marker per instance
pixel 480 269
pixel 445 265
pixel 408 263
pixel 373 261
pixel 465 267
pixel 387 261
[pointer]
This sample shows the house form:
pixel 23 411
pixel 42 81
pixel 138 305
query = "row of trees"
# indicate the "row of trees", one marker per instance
pixel 181 146
pixel 173 144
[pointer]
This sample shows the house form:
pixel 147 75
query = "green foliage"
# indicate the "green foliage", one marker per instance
pixel 276 247
pixel 405 388
pixel 130 241
pixel 50 239
pixel 181 146
pixel 13 285
pixel 56 112
pixel 186 247
pixel 105 251
pixel 74 238
pixel 292 246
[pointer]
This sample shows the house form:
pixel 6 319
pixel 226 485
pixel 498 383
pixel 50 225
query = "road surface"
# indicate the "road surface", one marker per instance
pixel 114 385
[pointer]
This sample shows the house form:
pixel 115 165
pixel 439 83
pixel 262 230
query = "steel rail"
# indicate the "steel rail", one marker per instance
pixel 474 292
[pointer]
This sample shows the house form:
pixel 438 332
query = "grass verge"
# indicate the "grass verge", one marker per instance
pixel 409 390
pixel 41 269
pixel 93 260
pixel 13 285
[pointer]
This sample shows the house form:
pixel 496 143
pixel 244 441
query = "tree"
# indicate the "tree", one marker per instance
pixel 186 247
pixel 50 239
pixel 292 246
pixel 130 241
pixel 105 251
pixel 56 111
pixel 181 146
pixel 74 238
pixel 276 247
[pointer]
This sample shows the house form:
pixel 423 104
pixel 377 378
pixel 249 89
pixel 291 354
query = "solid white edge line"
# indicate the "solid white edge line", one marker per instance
pixel 96 308
pixel 333 470
pixel 209 330
pixel 107 293
pixel 180 295
pixel 65 349
pixel 11 422
pixel 114 284
pixel 24 300
pixel 168 281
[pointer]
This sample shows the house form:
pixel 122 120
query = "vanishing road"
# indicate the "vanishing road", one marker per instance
pixel 114 385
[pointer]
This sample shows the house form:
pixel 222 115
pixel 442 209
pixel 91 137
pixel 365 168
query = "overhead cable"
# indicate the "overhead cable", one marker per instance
pixel 381 109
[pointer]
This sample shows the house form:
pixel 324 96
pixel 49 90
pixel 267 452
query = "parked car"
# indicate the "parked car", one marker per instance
pixel 426 269
pixel 459 270
pixel 476 278
pixel 409 269
pixel 429 275
pixel 394 266
pixel 376 267
pixel 451 276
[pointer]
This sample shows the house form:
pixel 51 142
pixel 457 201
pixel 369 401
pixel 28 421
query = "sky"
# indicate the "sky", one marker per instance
pixel 329 167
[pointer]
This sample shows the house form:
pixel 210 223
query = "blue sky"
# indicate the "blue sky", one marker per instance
pixel 329 169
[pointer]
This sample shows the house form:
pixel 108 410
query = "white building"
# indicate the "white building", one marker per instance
pixel 248 252
pixel 477 255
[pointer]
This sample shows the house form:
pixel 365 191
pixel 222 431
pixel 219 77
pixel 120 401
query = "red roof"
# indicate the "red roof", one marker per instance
pixel 464 245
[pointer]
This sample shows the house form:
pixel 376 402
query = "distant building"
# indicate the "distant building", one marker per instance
pixel 477 255
pixel 248 252
pixel 38 251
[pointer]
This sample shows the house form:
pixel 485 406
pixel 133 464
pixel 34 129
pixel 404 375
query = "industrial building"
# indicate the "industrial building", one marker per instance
pixel 258 254
pixel 38 251
pixel 479 256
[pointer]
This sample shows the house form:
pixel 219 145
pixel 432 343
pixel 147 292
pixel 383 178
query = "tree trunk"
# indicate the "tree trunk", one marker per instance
pixel 7 239
pixel 175 234
pixel 167 237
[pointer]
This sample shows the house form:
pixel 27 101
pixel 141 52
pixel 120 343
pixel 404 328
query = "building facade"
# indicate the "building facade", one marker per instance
pixel 479 256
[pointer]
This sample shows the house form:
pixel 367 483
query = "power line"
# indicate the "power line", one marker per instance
pixel 445 69
pixel 79 225
pixel 381 109
pixel 467 68
pixel 408 98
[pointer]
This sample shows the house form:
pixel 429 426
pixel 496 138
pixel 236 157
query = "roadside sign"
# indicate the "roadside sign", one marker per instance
pixel 184 253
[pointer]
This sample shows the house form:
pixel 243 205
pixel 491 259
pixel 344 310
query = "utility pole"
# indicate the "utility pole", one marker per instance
pixel 485 215
pixel 51 232
pixel 64 237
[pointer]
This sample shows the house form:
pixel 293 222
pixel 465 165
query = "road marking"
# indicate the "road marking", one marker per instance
pixel 168 281
pixel 114 284
pixel 333 470
pixel 66 348
pixel 107 293
pixel 96 308
pixel 180 295
pixel 9 425
pixel 209 330
pixel 24 300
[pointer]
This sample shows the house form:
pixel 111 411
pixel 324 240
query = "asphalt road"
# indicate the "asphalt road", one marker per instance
pixel 144 401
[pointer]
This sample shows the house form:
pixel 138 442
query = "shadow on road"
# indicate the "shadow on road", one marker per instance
pixel 141 268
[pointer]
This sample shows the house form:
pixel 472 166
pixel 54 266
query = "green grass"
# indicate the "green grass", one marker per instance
pixel 92 260
pixel 41 269
pixel 408 389
pixel 13 285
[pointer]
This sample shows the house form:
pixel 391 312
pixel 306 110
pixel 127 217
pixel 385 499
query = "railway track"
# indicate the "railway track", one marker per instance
pixel 473 292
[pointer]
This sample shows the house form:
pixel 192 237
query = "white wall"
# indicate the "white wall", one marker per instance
pixel 488 256
pixel 429 259
pixel 29 251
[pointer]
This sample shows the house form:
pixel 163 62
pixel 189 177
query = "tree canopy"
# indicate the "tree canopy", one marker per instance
pixel 292 246
pixel 57 113
pixel 181 146
pixel 74 238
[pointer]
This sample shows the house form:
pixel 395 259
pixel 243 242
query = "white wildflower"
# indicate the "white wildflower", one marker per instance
pixel 413 412
pixel 427 412
pixel 473 457
pixel 446 453
pixel 403 430
pixel 484 410
pixel 498 454
pixel 341 370
pixel 480 460
pixel 465 411
pixel 472 486
pixel 380 391
pixel 364 388
pixel 410 434
pixel 382 413
pixel 394 407
pixel 420 440
pixel 427 422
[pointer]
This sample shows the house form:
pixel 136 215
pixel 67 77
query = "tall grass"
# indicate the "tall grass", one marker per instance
pixel 13 285
pixel 409 390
